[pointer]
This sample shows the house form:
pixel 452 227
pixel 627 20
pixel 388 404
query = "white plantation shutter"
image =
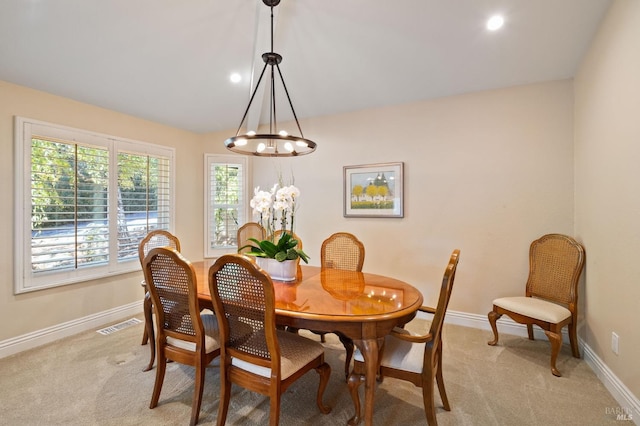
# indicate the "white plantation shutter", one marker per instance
pixel 226 209
pixel 83 203
pixel 69 231
pixel 145 208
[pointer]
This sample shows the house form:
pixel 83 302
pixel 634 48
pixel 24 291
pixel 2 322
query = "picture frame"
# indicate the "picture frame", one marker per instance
pixel 374 190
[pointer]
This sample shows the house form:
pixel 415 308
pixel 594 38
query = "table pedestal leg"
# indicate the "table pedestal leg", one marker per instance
pixel 370 352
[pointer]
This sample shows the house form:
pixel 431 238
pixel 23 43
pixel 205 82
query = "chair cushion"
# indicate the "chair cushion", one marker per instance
pixel 534 308
pixel 295 352
pixel 211 335
pixel 399 354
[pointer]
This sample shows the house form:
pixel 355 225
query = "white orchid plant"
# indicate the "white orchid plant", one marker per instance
pixel 276 210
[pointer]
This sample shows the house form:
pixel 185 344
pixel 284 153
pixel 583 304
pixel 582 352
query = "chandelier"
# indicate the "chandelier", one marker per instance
pixel 275 143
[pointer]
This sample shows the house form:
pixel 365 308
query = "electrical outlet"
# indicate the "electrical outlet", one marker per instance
pixel 614 342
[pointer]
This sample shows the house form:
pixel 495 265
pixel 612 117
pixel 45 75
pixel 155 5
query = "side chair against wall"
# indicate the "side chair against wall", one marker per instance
pixel 343 251
pixel 551 297
pixel 413 357
pixel 183 334
pixel 265 360
pixel 246 231
pixel 155 238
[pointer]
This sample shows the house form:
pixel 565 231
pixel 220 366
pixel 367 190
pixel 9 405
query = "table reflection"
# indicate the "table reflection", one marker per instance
pixel 342 285
pixel 359 298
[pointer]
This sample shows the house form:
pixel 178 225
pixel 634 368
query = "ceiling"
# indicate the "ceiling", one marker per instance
pixel 169 61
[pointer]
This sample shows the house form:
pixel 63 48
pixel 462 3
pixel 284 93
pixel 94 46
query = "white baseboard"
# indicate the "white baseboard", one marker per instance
pixel 629 403
pixel 47 335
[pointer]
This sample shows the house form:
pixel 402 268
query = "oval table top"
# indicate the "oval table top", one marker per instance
pixel 320 293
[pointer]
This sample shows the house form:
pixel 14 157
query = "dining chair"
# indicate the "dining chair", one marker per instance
pixel 556 262
pixel 266 360
pixel 246 231
pixel 155 238
pixel 342 251
pixel 183 333
pixel 416 358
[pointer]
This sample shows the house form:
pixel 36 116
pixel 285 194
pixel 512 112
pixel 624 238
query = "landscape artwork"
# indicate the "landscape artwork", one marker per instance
pixel 373 190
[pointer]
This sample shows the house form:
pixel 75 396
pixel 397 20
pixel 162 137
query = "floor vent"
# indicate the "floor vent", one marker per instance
pixel 113 328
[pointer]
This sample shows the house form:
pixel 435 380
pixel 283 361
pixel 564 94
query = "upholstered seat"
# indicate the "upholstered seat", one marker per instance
pixel 534 308
pixel 295 352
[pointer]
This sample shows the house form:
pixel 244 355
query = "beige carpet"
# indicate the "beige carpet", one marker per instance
pixel 91 379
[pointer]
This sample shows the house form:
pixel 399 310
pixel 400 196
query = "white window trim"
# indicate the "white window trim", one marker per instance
pixel 24 279
pixel 223 158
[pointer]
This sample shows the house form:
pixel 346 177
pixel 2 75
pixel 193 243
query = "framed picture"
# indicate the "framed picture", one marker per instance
pixel 374 190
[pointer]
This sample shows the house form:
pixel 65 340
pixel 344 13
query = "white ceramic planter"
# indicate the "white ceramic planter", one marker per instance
pixel 279 271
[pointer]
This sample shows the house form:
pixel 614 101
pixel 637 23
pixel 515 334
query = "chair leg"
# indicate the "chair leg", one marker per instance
pixel 197 394
pixel 324 370
pixel 148 330
pixel 556 342
pixel 157 387
pixel 493 317
pixel 427 395
pixel 225 394
pixel 274 413
pixel 348 347
pixel 145 335
pixel 354 381
pixel 573 338
pixel 440 380
pixel 530 331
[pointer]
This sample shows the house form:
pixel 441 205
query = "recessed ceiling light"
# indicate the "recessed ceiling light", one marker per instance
pixel 235 77
pixel 495 22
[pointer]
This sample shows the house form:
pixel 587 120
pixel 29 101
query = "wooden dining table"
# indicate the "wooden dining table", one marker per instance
pixel 361 306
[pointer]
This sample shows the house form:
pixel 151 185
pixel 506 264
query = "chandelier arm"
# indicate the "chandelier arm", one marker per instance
pixel 253 95
pixel 295 116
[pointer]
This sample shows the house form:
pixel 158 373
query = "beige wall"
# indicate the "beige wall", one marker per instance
pixel 34 311
pixel 485 172
pixel 607 141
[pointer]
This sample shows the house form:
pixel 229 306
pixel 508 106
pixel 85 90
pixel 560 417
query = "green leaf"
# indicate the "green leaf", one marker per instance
pixel 303 256
pixel 281 256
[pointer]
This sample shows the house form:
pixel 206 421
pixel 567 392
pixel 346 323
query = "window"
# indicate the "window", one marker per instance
pixel 226 188
pixel 83 203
